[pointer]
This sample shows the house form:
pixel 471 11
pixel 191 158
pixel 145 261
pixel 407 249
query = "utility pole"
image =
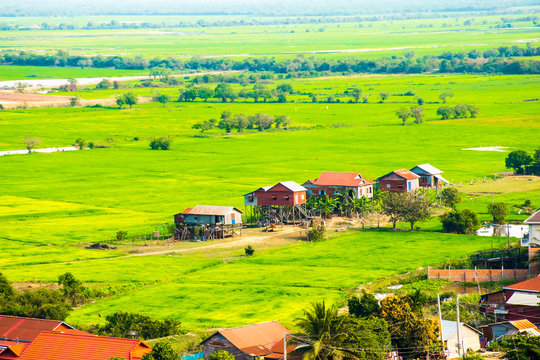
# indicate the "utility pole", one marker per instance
pixel 458 327
pixel 285 346
pixel 440 322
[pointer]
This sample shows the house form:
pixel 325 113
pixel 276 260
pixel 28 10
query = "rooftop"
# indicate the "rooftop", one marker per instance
pixel 209 210
pixel 341 179
pixel 534 218
pixel 531 285
pixel 430 169
pixel 404 173
pixel 27 329
pixel 58 346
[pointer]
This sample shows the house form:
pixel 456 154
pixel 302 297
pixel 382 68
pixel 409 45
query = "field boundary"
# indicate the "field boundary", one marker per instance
pixel 480 275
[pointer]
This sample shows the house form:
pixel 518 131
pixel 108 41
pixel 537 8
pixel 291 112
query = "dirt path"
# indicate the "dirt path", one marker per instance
pixel 243 241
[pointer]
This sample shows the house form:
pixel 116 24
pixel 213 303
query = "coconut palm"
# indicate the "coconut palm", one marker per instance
pixel 323 333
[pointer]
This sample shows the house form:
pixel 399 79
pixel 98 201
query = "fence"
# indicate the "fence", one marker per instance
pixel 480 275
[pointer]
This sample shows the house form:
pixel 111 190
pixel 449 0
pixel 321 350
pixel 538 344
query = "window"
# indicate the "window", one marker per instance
pixel 274 197
pixel 302 196
pixel 335 192
pixel 286 197
pixel 388 186
pixel 322 192
pixel 310 192
pixel 400 186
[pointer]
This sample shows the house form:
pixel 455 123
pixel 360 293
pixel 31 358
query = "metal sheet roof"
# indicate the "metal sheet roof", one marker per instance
pixel 522 324
pixel 442 179
pixel 534 218
pixel 449 328
pixel 23 328
pixel 210 210
pixel 430 169
pixel 293 186
pixel 341 179
pixel 531 285
pixel 404 173
pixel 262 336
pixel 520 298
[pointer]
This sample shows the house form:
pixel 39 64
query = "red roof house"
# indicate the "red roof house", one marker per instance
pixel 286 193
pixel 399 181
pixel 515 302
pixel 50 345
pixel 330 183
pixel 247 342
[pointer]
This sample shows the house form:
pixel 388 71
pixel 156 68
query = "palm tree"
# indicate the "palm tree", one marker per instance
pixel 322 332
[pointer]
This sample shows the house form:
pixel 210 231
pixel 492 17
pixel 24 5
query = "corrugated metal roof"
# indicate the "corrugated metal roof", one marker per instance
pixel 449 328
pixel 293 186
pixel 520 298
pixel 57 346
pixel 210 210
pixel 522 324
pixel 341 179
pixel 531 285
pixel 442 179
pixel 404 173
pixel 430 169
pixel 264 335
pixel 534 218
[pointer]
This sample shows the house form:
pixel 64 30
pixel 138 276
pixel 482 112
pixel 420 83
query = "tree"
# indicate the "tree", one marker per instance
pixel 356 94
pixel 523 347
pixel 104 84
pixel 221 355
pixel 164 351
pixel 249 250
pixel 227 122
pixel 282 120
pixel 363 306
pixel 326 330
pixel 473 110
pixel 460 222
pixel 403 113
pixel 384 95
pixel 159 143
pixel 120 101
pixel 517 159
pixel 75 101
pixel 130 99
pixel 205 125
pixel 285 88
pixel 241 122
pixel 31 142
pixel 415 209
pixel 71 287
pixel 161 98
pixel 204 92
pixel 80 142
pixel 6 290
pixel 393 205
pixel 42 303
pixel 445 112
pixel 408 330
pixel 224 91
pixel 450 196
pixel 443 96
pixel 121 324
pixel 499 211
pixel 263 121
pixel 417 112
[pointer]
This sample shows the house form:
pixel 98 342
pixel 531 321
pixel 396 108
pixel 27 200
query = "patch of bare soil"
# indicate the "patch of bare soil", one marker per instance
pixel 31 285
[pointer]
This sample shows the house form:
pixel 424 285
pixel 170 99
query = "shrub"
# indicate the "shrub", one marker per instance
pixel 121 235
pixel 499 211
pixel 162 351
pixel 221 355
pixel 121 324
pixel 461 222
pixel 316 233
pixel 160 143
pixel 249 250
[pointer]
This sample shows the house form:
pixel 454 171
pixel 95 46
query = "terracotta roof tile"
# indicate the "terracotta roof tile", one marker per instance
pixel 23 328
pixel 341 179
pixel 51 345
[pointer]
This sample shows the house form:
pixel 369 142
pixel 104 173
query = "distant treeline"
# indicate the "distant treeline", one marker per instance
pixel 263 21
pixel 502 60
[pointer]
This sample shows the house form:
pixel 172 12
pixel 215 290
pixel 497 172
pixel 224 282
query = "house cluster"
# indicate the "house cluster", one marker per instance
pixel 285 199
pixel 24 338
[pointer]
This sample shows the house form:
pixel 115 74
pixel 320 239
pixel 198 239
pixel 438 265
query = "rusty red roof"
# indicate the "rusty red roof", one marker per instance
pixel 23 328
pixel 534 218
pixel 341 179
pixel 523 324
pixel 531 285
pixel 50 345
pixel 404 173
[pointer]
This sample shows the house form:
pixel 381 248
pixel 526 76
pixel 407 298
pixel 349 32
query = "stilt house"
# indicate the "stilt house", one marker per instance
pixel 399 181
pixel 330 183
pixel 286 193
pixel 430 176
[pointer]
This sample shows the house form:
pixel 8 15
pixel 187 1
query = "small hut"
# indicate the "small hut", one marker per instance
pixel 204 222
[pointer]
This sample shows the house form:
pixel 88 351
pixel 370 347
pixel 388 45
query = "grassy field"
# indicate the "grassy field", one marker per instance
pixel 368 39
pixel 86 196
pixel 203 291
pixel 10 72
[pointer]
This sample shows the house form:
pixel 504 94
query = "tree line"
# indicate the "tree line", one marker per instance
pixel 505 60
pixel 240 122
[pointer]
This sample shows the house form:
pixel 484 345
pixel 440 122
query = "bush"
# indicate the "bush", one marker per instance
pixel 161 143
pixel 249 250
pixel 121 324
pixel 460 222
pixel 221 355
pixel 316 233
